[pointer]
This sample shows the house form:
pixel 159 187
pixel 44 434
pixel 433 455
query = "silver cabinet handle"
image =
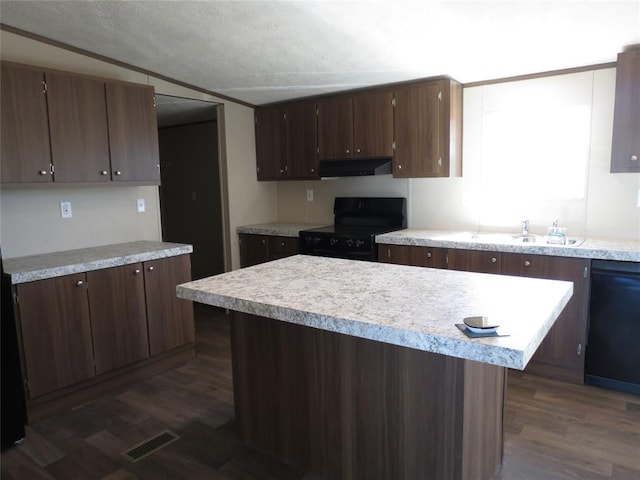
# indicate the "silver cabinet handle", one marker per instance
pixel 399 167
pixel 357 150
pixel 313 170
pixel 634 158
pixel 42 172
pixel 428 254
pixel 118 172
pixel 136 271
pixel 494 259
pixel 104 172
pixel 151 269
pixel 347 151
pixel 79 283
pixel 527 263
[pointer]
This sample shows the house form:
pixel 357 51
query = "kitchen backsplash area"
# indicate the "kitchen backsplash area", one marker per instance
pixel 555 166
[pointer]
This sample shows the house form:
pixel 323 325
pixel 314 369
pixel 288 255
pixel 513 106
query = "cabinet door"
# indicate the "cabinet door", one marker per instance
pixel 561 353
pixel 281 247
pixel 270 143
pixel 78 125
pixel 398 254
pixel 118 316
pixel 429 257
pixel 133 133
pixel 56 333
pixel 474 260
pixel 625 154
pixel 302 141
pixel 170 319
pixel 335 128
pixel 417 117
pixel 373 125
pixel 254 249
pixel 26 152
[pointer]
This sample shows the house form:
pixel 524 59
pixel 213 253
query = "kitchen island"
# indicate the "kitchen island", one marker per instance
pixel 357 370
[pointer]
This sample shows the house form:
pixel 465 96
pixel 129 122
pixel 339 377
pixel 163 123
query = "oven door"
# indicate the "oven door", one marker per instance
pixel 320 252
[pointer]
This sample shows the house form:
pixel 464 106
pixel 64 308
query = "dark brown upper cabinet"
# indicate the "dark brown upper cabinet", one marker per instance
pixel 133 133
pixel 286 142
pixel 358 126
pixel 373 124
pixel 428 129
pixel 26 151
pixel 335 128
pixel 270 143
pixel 301 141
pixel 625 152
pixel 65 128
pixel 78 128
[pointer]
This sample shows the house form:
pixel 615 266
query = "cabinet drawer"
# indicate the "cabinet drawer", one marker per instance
pixel 280 247
pixel 475 261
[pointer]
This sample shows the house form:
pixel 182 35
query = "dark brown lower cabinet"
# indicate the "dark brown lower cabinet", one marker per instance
pixel 561 354
pixel 170 319
pixel 85 333
pixel 474 261
pixel 56 333
pixel 255 249
pixel 354 408
pixel 413 255
pixel 118 316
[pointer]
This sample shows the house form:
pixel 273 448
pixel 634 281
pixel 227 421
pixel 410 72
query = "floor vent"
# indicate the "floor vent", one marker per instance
pixel 151 445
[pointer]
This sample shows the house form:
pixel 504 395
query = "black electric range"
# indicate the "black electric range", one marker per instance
pixel 357 220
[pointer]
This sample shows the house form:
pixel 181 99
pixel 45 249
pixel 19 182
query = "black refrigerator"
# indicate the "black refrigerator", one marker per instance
pixel 12 393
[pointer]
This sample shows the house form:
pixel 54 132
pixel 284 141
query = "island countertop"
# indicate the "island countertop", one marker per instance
pixel 408 306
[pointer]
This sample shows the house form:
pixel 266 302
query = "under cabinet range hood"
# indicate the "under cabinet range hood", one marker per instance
pixel 355 168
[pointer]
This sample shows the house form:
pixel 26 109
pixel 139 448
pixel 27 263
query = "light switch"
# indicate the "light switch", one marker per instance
pixel 65 210
pixel 141 208
pixel 309 195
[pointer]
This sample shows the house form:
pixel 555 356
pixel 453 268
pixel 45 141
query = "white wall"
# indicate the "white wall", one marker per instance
pixel 607 208
pixel 30 220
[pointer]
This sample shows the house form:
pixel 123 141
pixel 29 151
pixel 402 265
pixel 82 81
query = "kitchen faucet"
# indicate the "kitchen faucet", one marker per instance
pixel 525 227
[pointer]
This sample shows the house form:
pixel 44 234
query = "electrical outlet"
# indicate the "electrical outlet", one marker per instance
pixel 65 210
pixel 141 208
pixel 309 195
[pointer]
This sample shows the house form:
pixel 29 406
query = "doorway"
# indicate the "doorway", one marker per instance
pixel 190 191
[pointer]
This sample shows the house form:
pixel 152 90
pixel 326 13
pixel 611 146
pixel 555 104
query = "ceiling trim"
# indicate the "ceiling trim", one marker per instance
pixel 71 48
pixel 551 73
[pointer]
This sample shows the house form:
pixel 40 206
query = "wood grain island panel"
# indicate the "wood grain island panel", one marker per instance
pixel 356 369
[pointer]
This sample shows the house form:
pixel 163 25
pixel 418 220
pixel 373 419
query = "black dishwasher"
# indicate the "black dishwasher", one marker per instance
pixel 613 349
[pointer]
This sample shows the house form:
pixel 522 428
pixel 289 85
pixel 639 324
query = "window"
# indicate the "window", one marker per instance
pixel 535 151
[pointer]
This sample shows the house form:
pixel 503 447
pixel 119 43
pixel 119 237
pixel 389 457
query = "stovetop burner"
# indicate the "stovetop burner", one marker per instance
pixel 357 221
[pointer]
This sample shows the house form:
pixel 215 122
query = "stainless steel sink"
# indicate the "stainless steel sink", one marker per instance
pixel 529 238
pixel 507 239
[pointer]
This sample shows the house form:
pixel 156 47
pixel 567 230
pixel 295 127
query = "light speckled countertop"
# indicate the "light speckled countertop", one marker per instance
pixel 57 264
pixel 278 229
pixel 602 249
pixel 408 306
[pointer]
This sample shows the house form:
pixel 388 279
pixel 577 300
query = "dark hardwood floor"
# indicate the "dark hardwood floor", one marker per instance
pixel 553 430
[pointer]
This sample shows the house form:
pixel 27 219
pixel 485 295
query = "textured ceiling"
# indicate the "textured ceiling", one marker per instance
pixel 265 51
